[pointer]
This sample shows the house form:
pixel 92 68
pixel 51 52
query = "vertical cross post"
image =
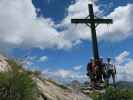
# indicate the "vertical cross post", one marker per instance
pixel 93 35
pixel 91 22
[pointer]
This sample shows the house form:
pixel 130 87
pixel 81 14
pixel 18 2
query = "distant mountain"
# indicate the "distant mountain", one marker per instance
pixel 125 84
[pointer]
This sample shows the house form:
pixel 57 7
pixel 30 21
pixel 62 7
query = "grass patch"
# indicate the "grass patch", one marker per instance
pixel 113 94
pixel 17 84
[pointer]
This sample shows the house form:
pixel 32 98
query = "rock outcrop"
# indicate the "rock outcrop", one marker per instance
pixel 48 89
pixel 4 66
pixel 54 91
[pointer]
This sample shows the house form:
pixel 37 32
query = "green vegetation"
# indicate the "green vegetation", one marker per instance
pixel 114 94
pixel 17 84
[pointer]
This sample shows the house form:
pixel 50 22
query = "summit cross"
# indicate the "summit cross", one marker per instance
pixel 92 22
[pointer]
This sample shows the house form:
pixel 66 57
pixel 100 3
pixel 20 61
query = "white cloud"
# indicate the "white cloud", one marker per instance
pixel 121 29
pixel 125 71
pixel 20 27
pixel 122 57
pixel 77 67
pixel 29 63
pixel 37 59
pixel 77 32
pixel 124 67
pixel 31 58
pixel 43 59
pixel 63 73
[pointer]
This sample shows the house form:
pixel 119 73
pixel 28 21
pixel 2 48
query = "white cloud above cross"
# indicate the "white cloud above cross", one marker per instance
pixel 19 22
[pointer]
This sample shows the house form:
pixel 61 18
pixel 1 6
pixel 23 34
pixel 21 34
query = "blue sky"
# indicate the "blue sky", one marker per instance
pixel 79 54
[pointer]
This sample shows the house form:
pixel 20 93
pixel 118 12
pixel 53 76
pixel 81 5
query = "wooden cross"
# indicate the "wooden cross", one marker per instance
pixel 92 24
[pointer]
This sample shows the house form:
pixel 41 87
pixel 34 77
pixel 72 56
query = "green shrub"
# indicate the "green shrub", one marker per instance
pixel 114 94
pixel 17 85
pixel 95 95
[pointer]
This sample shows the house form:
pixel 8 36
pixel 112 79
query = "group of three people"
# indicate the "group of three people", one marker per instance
pixel 100 72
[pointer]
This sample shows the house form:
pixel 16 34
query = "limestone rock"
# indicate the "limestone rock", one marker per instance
pixel 4 66
pixel 49 90
pixel 53 92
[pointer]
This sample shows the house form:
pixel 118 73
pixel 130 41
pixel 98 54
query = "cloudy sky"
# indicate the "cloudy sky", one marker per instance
pixel 40 32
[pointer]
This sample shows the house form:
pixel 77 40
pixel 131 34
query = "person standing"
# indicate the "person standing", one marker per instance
pixel 111 71
pixel 91 72
pixel 100 71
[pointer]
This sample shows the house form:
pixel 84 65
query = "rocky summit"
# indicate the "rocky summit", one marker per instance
pixel 48 89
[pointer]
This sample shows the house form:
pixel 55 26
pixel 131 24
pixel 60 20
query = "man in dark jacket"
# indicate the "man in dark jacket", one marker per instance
pixel 100 70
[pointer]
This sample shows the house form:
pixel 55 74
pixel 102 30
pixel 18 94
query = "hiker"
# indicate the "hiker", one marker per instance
pixel 100 71
pixel 111 71
pixel 91 72
pixel 103 71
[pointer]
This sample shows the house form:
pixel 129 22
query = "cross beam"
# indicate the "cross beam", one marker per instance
pixel 92 23
pixel 98 21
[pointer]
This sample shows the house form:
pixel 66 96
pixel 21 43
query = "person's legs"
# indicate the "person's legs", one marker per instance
pixel 92 79
pixel 92 84
pixel 108 77
pixel 99 75
pixel 113 77
pixel 105 77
